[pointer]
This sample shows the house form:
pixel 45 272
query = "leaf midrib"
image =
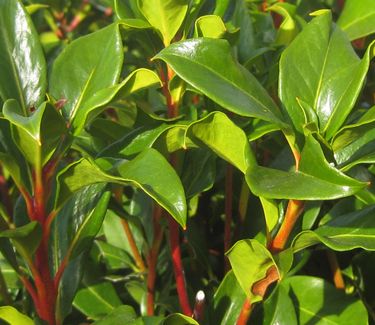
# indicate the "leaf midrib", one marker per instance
pixel 228 81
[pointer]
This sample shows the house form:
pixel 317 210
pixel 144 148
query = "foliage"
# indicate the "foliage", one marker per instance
pixel 187 162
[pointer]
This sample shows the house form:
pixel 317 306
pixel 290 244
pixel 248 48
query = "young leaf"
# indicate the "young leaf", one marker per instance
pixel 166 16
pixel 33 134
pixel 137 80
pixel 311 71
pixel 223 137
pixel 342 233
pixel 357 18
pixel 210 26
pixel 23 72
pixel 83 68
pixel 208 65
pixel 319 302
pixel 251 263
pixel 142 172
pixel 12 316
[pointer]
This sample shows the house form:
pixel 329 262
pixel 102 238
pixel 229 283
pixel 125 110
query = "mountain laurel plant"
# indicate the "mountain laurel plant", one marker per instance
pixel 187 162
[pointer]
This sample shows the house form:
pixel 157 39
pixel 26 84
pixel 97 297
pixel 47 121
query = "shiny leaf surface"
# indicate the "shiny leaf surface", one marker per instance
pixel 23 72
pixel 83 68
pixel 208 65
pixel 311 72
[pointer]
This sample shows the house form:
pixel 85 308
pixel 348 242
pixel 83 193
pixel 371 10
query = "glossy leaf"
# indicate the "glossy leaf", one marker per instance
pixel 142 172
pixel 210 26
pixel 319 302
pixel 33 134
pixel 12 316
pixel 343 232
pixel 166 16
pixel 228 301
pixel 23 71
pixel 311 72
pixel 354 144
pixel 208 65
pixel 97 300
pixel 223 137
pixel 82 69
pixel 357 18
pixel 316 180
pixel 279 308
pixel 137 80
pixel 250 262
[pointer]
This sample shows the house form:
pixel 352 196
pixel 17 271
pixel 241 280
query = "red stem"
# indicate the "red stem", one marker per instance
pixel 174 240
pixel 152 260
pixel 245 313
pixel 228 213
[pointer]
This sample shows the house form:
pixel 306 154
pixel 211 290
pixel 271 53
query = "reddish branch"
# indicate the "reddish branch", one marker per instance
pixel 174 231
pixel 152 259
pixel 338 279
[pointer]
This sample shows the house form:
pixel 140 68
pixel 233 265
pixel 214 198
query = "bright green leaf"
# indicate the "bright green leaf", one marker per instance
pixel 83 68
pixel 166 16
pixel 12 316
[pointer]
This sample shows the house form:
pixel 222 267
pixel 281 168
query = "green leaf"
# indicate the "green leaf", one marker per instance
pixel 97 300
pixel 228 301
pixel 318 302
pixel 12 316
pixel 354 144
pixel 26 239
pixel 208 65
pixel 311 71
pixel 279 308
pixel 357 18
pixel 83 68
pixel 137 80
pixel 120 315
pixel 250 262
pixel 179 319
pixel 10 157
pixel 142 172
pixel 33 134
pixel 316 180
pixel 210 26
pixel 23 72
pixel 343 232
pixel 223 137
pixel 166 16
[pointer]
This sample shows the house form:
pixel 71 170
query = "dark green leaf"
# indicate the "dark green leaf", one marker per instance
pixel 311 71
pixel 208 65
pixel 120 315
pixel 23 70
pixel 179 319
pixel 343 232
